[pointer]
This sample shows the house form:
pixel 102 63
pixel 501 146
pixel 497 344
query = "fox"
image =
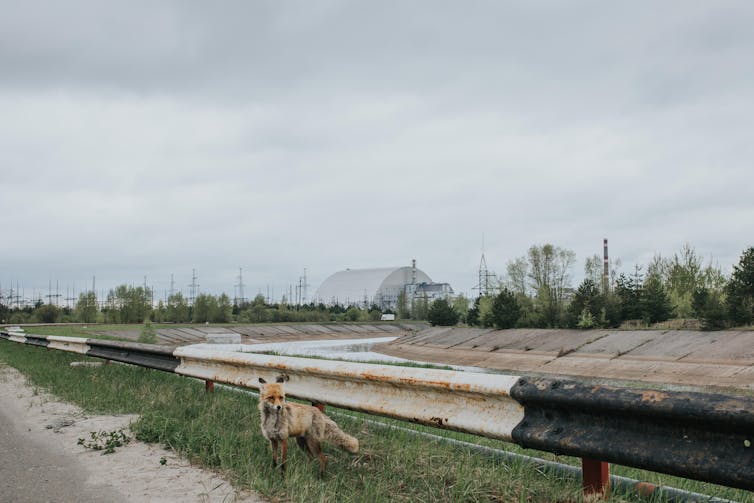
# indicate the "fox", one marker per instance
pixel 281 420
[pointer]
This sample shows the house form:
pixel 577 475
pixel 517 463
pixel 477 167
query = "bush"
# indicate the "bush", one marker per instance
pixel 441 313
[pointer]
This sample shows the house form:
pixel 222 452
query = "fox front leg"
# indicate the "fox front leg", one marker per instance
pixel 274 447
pixel 284 445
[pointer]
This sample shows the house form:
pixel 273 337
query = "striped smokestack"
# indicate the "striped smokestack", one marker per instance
pixel 606 273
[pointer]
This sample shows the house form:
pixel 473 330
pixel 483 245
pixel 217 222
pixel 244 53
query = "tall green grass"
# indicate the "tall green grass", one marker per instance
pixel 221 430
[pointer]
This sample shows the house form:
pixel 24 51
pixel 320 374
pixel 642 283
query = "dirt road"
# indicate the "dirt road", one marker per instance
pixel 41 461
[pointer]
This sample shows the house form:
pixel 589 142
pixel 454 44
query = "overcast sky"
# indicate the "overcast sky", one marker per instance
pixel 150 138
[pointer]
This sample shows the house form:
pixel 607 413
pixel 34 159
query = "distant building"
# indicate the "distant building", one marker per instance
pixel 430 291
pixel 381 287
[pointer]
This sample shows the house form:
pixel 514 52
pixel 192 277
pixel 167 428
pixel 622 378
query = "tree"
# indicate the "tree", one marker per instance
pixel 224 310
pixel 420 308
pixel 461 306
pixel 655 303
pixel 442 313
pixel 177 310
pixel 403 312
pixel 472 318
pixel 683 274
pixel 549 276
pixel 126 304
pixel 355 313
pixel 47 313
pixel 485 311
pixel 628 289
pixel 205 308
pixel 709 308
pixel 505 309
pixel 587 308
pixel 86 307
pixel 518 272
pixel 594 269
pixel 159 313
pixel 740 290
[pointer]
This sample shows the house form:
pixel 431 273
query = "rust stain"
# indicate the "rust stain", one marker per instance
pixel 414 381
pixel 653 396
pixel 645 488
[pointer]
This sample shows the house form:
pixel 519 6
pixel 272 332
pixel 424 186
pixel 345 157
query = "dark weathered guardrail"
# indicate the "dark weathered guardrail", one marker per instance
pixel 701 436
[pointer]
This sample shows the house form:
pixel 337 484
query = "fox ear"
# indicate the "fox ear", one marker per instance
pixel 282 378
pixel 262 381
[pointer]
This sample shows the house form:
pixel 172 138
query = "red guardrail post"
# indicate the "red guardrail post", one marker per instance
pixel 209 386
pixel 595 476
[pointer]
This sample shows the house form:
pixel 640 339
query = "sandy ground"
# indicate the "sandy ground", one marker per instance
pixel 40 459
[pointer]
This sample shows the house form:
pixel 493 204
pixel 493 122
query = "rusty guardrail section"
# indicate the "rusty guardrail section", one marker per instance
pixel 473 403
pixel 707 437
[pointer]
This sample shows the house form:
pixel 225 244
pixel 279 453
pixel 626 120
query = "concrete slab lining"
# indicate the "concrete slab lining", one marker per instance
pixel 695 358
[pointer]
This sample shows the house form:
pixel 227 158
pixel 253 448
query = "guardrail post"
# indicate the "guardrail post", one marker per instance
pixel 209 386
pixel 595 476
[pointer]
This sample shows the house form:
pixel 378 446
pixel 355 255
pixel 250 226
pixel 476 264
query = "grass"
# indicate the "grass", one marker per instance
pixel 221 431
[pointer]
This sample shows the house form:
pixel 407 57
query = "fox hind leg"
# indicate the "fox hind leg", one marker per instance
pixel 315 449
pixel 301 441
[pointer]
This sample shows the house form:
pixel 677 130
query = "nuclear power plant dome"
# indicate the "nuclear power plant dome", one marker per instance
pixel 379 286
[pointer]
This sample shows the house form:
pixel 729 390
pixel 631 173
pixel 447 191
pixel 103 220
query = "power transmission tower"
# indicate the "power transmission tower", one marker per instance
pixel 304 285
pixel 194 287
pixel 487 279
pixel 68 297
pixel 13 297
pixel 56 295
pixel 240 286
pixel 172 285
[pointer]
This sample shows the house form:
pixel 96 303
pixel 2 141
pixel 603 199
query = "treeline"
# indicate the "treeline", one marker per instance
pixel 537 294
pixel 128 304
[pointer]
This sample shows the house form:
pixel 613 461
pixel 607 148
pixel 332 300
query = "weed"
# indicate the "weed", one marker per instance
pixel 148 335
pixel 105 441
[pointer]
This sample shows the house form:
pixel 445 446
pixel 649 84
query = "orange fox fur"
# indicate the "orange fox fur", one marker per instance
pixel 281 420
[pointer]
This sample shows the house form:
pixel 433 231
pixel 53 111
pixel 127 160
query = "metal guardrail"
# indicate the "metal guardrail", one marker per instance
pixel 707 437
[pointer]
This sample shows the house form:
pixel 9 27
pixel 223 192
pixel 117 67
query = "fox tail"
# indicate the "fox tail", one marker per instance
pixel 340 438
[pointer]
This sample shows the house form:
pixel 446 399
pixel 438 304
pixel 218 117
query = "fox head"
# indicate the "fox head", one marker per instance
pixel 272 395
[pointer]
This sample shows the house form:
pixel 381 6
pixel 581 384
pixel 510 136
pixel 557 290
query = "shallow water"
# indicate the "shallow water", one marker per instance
pixel 359 350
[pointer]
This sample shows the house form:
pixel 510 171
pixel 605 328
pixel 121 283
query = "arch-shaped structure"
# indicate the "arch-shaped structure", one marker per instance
pixel 361 287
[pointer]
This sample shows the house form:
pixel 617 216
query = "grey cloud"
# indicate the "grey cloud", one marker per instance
pixel 149 138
